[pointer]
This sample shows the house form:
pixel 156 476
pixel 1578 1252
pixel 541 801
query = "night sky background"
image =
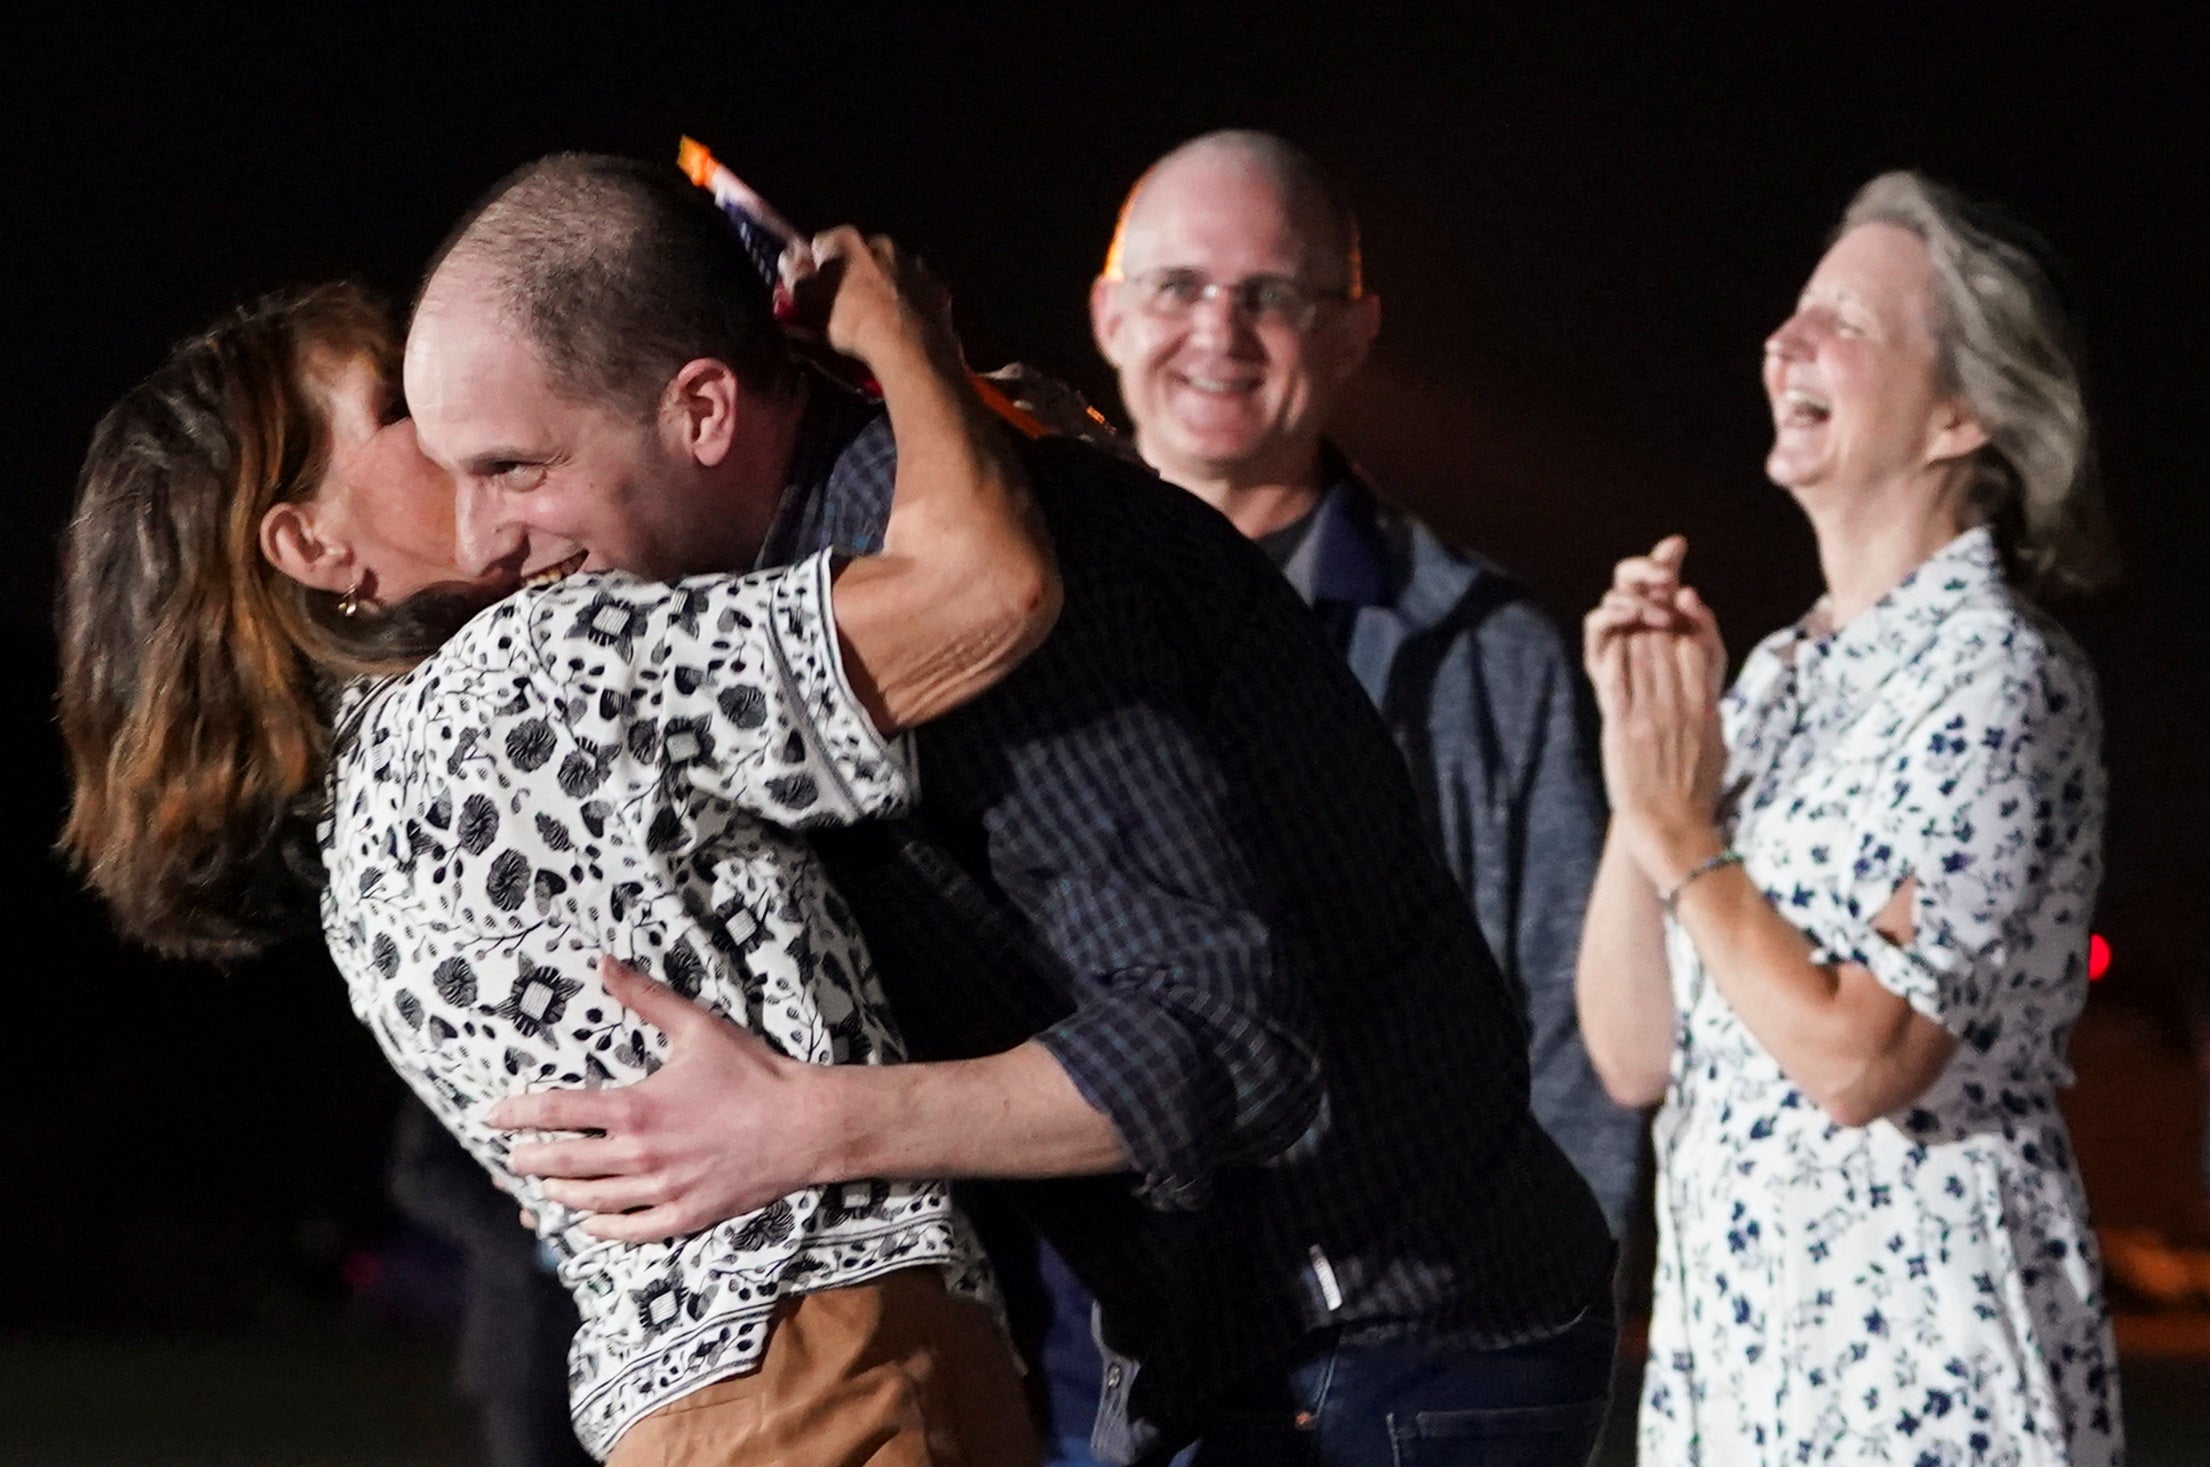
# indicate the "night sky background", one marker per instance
pixel 1582 227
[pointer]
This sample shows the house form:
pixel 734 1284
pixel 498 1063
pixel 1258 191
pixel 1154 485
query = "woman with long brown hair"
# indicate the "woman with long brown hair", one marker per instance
pixel 272 672
pixel 194 677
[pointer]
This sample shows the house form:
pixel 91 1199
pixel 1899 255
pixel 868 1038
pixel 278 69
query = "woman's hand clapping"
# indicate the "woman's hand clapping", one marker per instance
pixel 1653 652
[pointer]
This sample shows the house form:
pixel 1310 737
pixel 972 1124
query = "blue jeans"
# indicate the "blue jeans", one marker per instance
pixel 1420 1402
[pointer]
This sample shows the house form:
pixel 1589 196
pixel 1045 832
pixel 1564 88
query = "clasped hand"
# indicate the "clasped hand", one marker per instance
pixel 1653 652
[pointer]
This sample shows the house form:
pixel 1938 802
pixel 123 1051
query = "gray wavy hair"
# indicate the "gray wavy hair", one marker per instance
pixel 2004 346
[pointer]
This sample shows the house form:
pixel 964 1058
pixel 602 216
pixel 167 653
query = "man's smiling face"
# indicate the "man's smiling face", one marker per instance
pixel 1222 387
pixel 531 463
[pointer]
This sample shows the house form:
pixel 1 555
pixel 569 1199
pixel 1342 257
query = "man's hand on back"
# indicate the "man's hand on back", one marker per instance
pixel 719 1130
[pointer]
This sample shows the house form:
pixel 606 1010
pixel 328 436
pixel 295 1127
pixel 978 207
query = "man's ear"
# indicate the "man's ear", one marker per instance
pixel 1956 433
pixel 1355 330
pixel 701 408
pixel 1106 314
pixel 293 541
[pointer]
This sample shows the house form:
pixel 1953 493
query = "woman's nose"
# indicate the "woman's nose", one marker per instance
pixel 1790 339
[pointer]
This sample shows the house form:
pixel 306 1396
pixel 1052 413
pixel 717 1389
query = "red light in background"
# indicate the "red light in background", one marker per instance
pixel 361 1270
pixel 2098 956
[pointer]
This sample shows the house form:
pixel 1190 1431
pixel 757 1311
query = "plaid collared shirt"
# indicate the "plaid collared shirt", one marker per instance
pixel 1179 847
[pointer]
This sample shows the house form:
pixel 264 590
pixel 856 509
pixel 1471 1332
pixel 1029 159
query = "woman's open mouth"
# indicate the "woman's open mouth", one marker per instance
pixel 1796 408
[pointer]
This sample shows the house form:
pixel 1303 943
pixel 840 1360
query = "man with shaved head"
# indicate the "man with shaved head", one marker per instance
pixel 1199 999
pixel 1233 306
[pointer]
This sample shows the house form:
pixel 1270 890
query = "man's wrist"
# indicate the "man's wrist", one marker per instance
pixel 834 1118
pixel 812 1117
pixel 897 350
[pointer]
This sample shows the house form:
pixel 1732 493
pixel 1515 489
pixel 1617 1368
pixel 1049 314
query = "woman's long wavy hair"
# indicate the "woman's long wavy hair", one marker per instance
pixel 2005 346
pixel 194 676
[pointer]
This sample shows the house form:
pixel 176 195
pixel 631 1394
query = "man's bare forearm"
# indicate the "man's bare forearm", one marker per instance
pixel 1014 1114
pixel 727 1125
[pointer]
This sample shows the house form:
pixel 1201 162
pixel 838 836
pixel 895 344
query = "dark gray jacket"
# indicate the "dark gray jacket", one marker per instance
pixel 1491 711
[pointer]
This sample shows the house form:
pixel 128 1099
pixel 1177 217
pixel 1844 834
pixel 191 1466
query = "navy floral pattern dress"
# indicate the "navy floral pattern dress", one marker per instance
pixel 1923 1290
pixel 592 767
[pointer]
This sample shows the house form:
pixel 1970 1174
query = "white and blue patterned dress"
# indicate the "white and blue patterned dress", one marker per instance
pixel 1923 1290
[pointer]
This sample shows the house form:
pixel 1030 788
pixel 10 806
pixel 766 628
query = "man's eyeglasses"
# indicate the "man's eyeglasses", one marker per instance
pixel 1175 291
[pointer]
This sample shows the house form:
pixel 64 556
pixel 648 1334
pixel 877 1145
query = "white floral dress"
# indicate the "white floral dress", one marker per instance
pixel 1923 1290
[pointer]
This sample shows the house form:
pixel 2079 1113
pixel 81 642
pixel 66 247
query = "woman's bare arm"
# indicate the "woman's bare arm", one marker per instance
pixel 1856 1049
pixel 1621 986
pixel 1853 1047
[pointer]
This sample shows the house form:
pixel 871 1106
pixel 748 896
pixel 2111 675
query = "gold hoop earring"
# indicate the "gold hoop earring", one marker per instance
pixel 349 605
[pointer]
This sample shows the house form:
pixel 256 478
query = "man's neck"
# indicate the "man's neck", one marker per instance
pixel 752 478
pixel 1257 506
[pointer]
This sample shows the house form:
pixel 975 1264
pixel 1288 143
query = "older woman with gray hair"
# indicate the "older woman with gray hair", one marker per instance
pixel 1840 926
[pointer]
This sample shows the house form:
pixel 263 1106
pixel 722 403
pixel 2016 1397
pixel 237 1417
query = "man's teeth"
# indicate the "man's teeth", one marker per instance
pixel 559 570
pixel 1213 384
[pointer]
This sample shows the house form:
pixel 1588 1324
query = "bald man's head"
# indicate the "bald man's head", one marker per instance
pixel 1318 208
pixel 1233 307
pixel 594 359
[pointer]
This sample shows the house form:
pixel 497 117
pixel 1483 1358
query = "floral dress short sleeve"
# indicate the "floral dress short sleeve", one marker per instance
pixel 1991 802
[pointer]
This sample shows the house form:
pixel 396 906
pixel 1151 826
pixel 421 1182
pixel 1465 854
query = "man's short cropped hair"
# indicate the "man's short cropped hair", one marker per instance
pixel 620 272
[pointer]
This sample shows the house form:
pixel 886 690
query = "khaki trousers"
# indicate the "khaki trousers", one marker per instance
pixel 894 1373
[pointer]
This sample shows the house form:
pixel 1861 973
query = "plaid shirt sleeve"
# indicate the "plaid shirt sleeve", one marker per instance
pixel 1188 1031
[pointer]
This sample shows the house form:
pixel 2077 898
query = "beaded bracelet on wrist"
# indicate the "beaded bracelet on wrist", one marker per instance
pixel 1728 857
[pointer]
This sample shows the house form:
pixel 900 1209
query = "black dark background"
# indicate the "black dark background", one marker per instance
pixel 1582 226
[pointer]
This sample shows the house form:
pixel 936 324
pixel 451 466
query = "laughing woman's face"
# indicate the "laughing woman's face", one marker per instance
pixel 1852 375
